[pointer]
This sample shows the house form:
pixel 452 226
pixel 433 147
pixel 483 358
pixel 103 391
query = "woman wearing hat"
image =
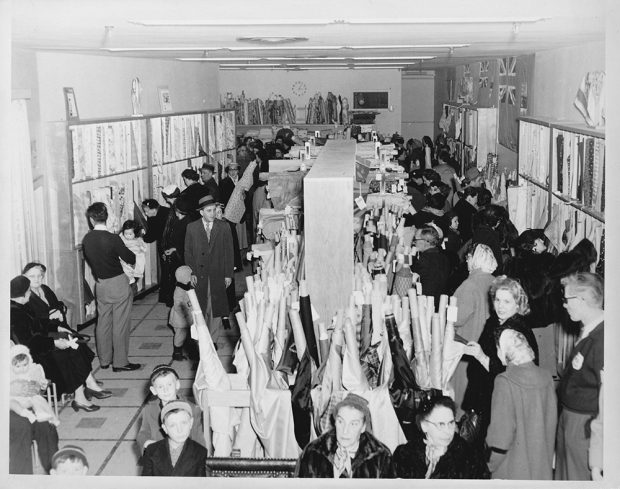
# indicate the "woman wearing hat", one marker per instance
pixel 438 452
pixel 67 363
pixel 156 218
pixel 348 450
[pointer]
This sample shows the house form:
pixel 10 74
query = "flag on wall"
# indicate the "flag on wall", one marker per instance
pixel 514 75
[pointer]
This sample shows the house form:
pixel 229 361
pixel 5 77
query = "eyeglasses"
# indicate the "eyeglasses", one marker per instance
pixel 442 425
pixel 565 299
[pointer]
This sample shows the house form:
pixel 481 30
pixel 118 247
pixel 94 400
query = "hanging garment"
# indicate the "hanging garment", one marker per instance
pixel 590 99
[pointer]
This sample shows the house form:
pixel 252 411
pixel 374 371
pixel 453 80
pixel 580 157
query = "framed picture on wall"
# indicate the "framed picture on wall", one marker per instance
pixel 165 104
pixel 70 104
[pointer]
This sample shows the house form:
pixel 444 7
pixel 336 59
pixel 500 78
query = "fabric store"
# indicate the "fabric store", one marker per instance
pixel 358 245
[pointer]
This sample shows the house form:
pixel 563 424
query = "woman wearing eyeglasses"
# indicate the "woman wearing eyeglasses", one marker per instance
pixel 437 451
pixel 510 305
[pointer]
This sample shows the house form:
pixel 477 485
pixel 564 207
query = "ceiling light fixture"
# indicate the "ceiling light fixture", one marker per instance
pixel 369 21
pixel 300 58
pixel 271 39
pixel 286 48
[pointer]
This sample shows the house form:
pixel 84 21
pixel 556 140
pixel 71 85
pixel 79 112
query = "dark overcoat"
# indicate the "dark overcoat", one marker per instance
pixel 211 262
pixel 373 459
pixel 192 462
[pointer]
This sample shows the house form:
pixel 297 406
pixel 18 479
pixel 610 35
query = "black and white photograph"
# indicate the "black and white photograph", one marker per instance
pixel 332 240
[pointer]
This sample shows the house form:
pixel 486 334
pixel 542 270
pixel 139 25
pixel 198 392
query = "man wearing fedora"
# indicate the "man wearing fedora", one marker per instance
pixel 209 253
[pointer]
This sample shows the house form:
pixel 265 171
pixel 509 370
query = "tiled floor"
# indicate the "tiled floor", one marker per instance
pixel 108 435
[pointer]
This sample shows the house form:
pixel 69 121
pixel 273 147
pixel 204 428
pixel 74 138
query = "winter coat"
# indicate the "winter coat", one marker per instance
pixel 155 227
pixel 181 311
pixel 226 189
pixel 211 261
pixel 461 461
pixel 192 462
pixel 433 266
pixel 373 459
pixel 149 424
pixel 466 212
pixel 480 381
pixel 472 298
pixel 532 271
pixel 524 416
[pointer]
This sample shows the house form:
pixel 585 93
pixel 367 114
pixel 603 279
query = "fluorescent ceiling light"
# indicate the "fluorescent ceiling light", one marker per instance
pixel 370 21
pixel 301 58
pixel 285 48
pixel 393 57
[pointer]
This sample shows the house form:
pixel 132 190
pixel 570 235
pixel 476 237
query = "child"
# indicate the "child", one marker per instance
pixel 130 234
pixel 27 381
pixel 176 456
pixel 69 460
pixel 180 318
pixel 165 385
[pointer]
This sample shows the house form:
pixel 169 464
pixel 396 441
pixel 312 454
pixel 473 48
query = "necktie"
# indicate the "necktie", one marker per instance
pixel 208 229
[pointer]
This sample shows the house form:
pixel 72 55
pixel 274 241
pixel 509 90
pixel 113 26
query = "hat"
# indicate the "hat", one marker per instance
pixel 232 164
pixel 162 368
pixel 183 274
pixel 173 405
pixel 205 201
pixel 170 191
pixel 19 350
pixel 183 205
pixel 70 451
pixel 417 173
pixel 19 286
pixel 356 402
pixel 208 166
pixel 472 173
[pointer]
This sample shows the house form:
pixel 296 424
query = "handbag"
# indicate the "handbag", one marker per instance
pixel 470 426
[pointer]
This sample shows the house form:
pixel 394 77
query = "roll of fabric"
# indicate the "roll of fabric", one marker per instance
pixel 436 352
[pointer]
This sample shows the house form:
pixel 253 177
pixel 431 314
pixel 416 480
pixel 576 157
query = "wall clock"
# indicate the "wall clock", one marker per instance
pixel 299 88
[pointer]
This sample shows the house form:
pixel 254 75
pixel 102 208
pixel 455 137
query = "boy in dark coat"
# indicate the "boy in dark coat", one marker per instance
pixel 177 455
pixel 349 450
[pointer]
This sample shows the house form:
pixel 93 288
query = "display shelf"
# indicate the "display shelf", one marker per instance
pixel 120 161
pixel 558 151
pixel 474 130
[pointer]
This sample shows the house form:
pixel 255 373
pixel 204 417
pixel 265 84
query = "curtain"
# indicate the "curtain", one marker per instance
pixel 24 242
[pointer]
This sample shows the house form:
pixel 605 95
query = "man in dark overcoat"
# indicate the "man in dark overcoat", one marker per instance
pixel 209 253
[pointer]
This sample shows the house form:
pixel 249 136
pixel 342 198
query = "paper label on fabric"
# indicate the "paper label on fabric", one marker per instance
pixel 315 314
pixel 361 204
pixel 418 288
pixel 378 176
pixel 295 306
pixel 192 332
pixel 358 297
pixel 578 361
pixel 451 314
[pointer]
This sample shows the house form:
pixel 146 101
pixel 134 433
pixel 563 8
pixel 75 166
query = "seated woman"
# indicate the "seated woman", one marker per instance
pixel 36 321
pixel 510 305
pixel 438 452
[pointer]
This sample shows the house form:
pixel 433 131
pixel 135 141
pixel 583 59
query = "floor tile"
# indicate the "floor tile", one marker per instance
pixel 152 327
pixel 186 369
pixel 139 311
pixel 150 347
pixel 147 362
pixel 125 392
pixel 108 423
pixel 159 311
pixel 124 460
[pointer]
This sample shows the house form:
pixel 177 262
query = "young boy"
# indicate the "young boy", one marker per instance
pixel 176 456
pixel 165 386
pixel 69 460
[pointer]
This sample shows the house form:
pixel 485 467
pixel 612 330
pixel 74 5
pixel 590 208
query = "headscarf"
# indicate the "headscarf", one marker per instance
pixel 483 259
